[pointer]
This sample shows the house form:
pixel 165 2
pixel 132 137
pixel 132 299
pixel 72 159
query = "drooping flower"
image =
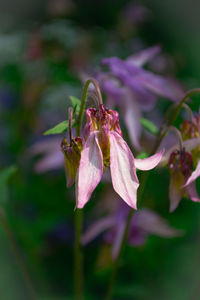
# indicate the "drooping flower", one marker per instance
pixel 182 176
pixel 144 222
pixel 181 165
pixel 104 147
pixel 134 89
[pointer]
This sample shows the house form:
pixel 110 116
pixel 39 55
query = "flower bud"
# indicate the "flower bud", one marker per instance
pixel 72 154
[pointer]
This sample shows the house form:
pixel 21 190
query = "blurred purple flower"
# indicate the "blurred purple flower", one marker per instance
pixel 52 158
pixel 134 89
pixel 144 223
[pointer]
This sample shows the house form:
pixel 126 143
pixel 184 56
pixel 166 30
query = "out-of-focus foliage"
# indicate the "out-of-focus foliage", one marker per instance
pixel 45 55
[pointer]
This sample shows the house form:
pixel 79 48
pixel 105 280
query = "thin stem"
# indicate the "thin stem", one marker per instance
pixel 83 101
pixel 17 254
pixel 70 112
pixel 177 111
pixel 179 136
pixel 78 257
pixel 143 181
pixel 189 111
pixel 117 260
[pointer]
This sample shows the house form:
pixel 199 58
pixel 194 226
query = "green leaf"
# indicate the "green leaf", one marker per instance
pixel 149 126
pixel 59 128
pixel 5 174
pixel 142 155
pixel 76 103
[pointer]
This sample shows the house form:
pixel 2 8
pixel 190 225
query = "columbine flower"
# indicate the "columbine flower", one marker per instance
pixel 103 147
pixel 182 176
pixel 144 223
pixel 134 89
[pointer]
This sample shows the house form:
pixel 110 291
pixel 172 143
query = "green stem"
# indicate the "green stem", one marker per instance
pixel 17 254
pixel 176 112
pixel 83 101
pixel 78 257
pixel 143 180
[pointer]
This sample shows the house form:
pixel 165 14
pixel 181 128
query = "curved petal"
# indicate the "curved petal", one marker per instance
pixel 175 191
pixel 142 57
pixel 192 192
pixel 90 170
pixel 194 175
pixel 148 163
pixel 123 171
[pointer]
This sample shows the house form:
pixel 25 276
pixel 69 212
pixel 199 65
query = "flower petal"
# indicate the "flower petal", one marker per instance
pixel 194 175
pixel 188 145
pixel 90 170
pixel 132 113
pixel 192 192
pixel 148 163
pixel 175 191
pixel 123 171
pixel 161 86
pixel 142 57
pixel 97 228
pixel 118 239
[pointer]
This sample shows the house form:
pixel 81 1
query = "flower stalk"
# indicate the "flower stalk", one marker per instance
pixel 163 132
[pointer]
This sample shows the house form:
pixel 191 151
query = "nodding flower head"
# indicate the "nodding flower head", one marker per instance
pixel 72 155
pixel 104 146
pixel 181 178
pixel 181 161
pixel 102 121
pixel 191 130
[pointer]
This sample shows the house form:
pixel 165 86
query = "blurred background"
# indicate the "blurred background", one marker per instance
pixel 46 49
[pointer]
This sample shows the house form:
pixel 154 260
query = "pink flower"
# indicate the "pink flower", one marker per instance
pixel 105 147
pixel 182 176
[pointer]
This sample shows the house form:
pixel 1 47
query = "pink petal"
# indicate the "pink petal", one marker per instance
pixel 96 228
pixel 192 192
pixel 148 163
pixel 194 175
pixel 175 191
pixel 123 171
pixel 90 170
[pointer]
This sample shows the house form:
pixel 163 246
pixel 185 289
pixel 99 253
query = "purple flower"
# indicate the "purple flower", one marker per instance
pixel 134 89
pixel 144 223
pixel 105 147
pixel 51 159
